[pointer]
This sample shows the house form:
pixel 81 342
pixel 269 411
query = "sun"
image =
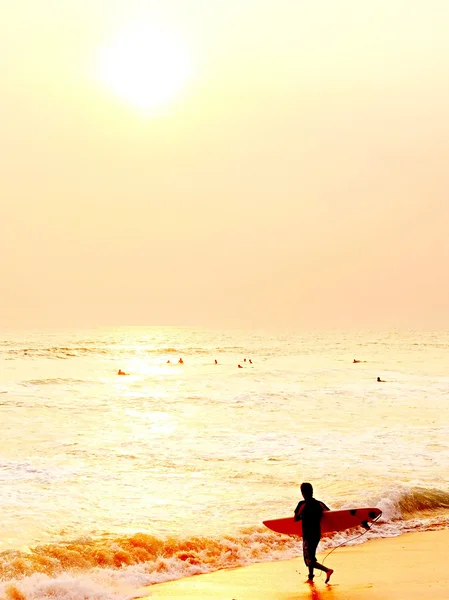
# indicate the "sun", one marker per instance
pixel 144 66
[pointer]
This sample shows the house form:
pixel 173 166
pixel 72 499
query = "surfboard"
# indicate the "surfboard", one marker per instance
pixel 332 520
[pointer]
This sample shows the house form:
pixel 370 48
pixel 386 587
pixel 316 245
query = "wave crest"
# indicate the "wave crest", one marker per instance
pixel 404 503
pixel 422 499
pixel 202 553
pixel 113 567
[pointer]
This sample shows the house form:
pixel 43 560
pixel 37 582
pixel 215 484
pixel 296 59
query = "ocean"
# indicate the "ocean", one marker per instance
pixel 110 483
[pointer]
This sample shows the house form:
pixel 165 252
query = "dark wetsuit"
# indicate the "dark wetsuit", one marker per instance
pixel 310 512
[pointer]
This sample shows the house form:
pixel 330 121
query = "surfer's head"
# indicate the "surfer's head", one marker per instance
pixel 306 490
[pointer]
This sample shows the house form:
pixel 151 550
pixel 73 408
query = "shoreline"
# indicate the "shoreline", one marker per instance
pixel 406 567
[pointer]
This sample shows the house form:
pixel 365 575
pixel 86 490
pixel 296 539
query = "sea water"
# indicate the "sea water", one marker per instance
pixel 109 483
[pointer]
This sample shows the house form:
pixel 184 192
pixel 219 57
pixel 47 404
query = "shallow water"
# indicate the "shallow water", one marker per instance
pixel 112 482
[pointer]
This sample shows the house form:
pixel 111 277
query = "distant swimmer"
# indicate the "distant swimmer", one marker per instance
pixel 310 511
pixel 180 361
pixel 244 360
pixel 355 361
pixel 381 380
pixel 120 372
pixel 216 361
pixel 250 362
pixel 168 361
pixel 240 366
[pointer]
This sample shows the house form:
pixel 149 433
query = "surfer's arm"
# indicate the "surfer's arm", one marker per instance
pixel 324 507
pixel 298 510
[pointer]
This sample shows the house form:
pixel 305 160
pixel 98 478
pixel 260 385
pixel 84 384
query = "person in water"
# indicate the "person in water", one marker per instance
pixel 180 361
pixel 120 372
pixel 380 380
pixel 310 511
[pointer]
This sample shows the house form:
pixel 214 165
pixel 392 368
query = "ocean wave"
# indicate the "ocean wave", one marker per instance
pixel 421 499
pixel 113 568
pixel 405 502
pixel 189 554
pixel 134 561
pixel 56 352
pixel 52 381
pixel 61 352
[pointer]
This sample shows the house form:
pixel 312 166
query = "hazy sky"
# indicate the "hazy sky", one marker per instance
pixel 298 177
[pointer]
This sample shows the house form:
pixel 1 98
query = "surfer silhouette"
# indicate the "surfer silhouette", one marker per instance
pixel 380 380
pixel 310 511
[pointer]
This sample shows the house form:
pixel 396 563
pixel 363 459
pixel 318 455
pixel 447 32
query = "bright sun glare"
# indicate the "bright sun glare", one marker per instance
pixel 145 66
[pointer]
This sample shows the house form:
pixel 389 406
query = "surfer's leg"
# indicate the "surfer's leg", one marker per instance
pixel 309 551
pixel 325 569
pixel 305 554
pixel 309 548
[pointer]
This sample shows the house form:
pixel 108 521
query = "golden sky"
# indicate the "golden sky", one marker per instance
pixel 232 163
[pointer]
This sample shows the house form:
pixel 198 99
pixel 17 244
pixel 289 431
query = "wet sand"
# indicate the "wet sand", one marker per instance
pixel 408 567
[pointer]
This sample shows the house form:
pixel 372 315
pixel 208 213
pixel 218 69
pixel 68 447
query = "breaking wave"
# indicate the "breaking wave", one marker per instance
pixel 406 503
pixel 113 568
pixel 96 568
pixel 61 352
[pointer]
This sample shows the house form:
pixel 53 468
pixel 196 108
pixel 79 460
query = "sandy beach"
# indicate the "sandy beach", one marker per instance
pixel 408 567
